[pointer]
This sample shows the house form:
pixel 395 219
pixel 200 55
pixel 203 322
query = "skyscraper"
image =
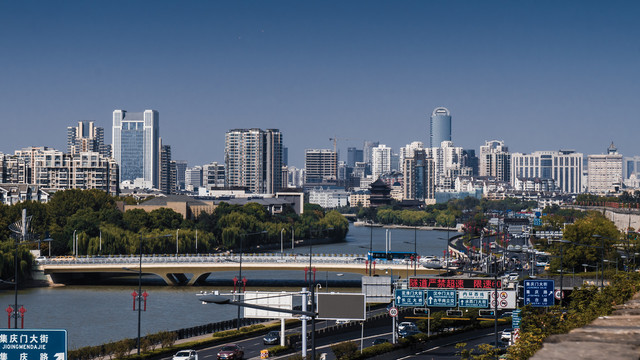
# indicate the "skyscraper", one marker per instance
pixel 440 126
pixel 253 159
pixel 353 156
pixel 495 160
pixel 380 160
pixel 321 165
pixel 86 137
pixel 136 145
pixel 166 186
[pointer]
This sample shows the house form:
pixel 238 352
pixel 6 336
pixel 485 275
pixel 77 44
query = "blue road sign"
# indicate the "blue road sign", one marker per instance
pixel 441 298
pixel 515 319
pixel 33 344
pixel 409 297
pixel 539 293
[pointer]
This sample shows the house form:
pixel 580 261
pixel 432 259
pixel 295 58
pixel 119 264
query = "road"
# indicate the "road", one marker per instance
pixel 440 349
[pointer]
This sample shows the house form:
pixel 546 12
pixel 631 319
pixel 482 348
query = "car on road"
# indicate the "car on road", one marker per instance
pixel 408 332
pixel 506 334
pixel 272 338
pixel 513 276
pixel 407 325
pixel 229 352
pixel 185 355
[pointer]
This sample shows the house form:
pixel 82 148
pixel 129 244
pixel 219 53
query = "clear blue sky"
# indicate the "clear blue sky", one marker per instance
pixel 540 75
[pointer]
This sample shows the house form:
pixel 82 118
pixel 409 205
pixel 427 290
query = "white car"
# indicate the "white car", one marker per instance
pixel 407 325
pixel 506 334
pixel 186 355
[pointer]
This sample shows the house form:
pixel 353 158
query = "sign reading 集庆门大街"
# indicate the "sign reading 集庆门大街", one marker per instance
pixel 443 283
pixel 33 344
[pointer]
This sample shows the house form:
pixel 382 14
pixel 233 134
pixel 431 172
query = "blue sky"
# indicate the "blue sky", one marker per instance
pixel 540 75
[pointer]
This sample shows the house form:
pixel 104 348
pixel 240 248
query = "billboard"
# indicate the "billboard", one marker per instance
pixel 444 283
pixel 280 300
pixel 337 306
pixel 377 288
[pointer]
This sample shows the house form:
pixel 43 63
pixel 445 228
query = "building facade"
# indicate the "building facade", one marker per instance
pixel 418 176
pixel 253 160
pixel 604 172
pixel 53 169
pixel 321 165
pixel 213 175
pixel 86 137
pixel 495 161
pixel 380 160
pixel 136 145
pixel 439 126
pixel 564 167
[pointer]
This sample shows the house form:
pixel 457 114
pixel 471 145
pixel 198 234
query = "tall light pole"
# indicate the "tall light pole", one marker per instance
pixel 242 236
pixel 177 242
pixel 370 246
pixel 602 257
pixel 140 283
pixel 415 250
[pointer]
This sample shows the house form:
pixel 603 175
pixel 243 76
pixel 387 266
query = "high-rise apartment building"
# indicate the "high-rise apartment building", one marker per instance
pixel 213 175
pixel 86 137
pixel 321 165
pixel 495 160
pixel 167 182
pixel 449 161
pixel 418 170
pixel 53 169
pixel 253 159
pixel 136 145
pixel 407 151
pixel 440 126
pixel 604 172
pixel 564 167
pixel 380 160
pixel 367 150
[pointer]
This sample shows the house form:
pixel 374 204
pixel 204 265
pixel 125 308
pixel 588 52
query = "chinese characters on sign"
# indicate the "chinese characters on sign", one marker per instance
pixel 441 298
pixel 429 283
pixel 474 298
pixel 408 297
pixel 39 344
pixel 539 293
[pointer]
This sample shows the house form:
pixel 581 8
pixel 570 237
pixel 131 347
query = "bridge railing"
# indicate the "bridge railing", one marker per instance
pixel 204 258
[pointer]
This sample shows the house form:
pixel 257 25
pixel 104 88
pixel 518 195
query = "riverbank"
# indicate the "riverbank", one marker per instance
pixel 407 227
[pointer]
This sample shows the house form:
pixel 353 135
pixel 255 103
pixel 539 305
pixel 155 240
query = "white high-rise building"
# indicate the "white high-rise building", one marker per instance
pixel 136 145
pixel 380 160
pixel 253 159
pixel 193 177
pixel 407 151
pixel 604 172
pixel 564 167
pixel 448 161
pixel 495 160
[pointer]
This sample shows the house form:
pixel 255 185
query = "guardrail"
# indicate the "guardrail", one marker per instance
pixel 216 259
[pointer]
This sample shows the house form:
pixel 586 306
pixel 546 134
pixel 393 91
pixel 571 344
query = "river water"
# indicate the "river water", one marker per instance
pixel 94 315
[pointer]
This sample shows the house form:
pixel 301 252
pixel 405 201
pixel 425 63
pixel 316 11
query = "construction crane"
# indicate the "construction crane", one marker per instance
pixel 335 142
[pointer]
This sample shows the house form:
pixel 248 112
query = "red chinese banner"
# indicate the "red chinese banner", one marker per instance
pixel 441 283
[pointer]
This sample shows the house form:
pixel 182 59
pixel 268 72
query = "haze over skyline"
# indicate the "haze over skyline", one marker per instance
pixel 540 75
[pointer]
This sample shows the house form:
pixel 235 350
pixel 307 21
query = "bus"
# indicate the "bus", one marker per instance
pixel 391 255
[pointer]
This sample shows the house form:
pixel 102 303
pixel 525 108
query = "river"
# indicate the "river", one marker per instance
pixel 94 315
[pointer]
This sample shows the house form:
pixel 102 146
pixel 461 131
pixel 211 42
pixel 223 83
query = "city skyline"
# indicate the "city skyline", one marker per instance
pixel 541 76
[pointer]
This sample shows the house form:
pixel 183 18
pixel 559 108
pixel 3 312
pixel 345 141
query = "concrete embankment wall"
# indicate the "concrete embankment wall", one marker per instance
pixel 623 218
pixel 616 336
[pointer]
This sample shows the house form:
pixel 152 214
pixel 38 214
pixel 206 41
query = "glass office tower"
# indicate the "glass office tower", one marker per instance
pixel 136 145
pixel 440 126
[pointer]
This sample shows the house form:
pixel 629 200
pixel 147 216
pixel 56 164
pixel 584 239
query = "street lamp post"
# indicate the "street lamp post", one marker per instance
pixel 140 283
pixel 370 246
pixel 602 255
pixel 177 242
pixel 242 236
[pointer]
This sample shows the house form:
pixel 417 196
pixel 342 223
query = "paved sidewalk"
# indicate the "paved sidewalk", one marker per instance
pixel 616 336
